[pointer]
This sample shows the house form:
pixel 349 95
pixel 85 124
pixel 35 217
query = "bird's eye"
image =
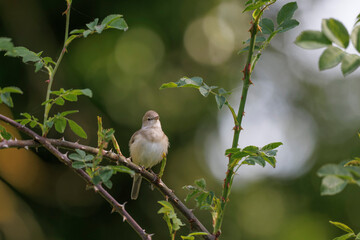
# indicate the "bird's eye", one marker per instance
pixel 149 119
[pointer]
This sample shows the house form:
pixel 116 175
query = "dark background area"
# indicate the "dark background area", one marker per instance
pixel 42 199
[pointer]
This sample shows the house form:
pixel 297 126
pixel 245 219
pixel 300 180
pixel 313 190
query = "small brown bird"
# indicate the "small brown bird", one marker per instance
pixel 148 146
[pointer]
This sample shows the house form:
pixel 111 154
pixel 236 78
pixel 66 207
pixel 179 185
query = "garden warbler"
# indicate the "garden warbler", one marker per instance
pixel 148 146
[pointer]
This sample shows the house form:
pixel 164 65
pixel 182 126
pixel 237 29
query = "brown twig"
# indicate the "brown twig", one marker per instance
pixel 151 177
pixel 38 140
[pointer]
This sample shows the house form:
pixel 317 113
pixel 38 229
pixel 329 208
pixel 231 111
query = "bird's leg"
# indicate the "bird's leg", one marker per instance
pixel 163 164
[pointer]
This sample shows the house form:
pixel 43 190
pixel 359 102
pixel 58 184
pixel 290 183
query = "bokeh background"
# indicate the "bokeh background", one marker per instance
pixel 315 114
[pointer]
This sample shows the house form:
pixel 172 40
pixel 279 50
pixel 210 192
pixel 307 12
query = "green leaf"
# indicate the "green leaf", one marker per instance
pixel 92 24
pixel 312 40
pixel 77 129
pixel 169 214
pixel 5 44
pixel 70 97
pixel 86 33
pixel 108 184
pixel 119 24
pixel 108 19
pixel 271 146
pixel 287 25
pixel 48 60
pixel 33 124
pixel 345 236
pixel 331 57
pixel 255 5
pixel 223 92
pixel 88 158
pixel 270 160
pixel 332 185
pixel 26 115
pixel 168 85
pixel 105 174
pixel 38 65
pixel 355 37
pixel 334 169
pixel 192 194
pixel 231 150
pixel 251 149
pixel 4 134
pixel 78 165
pixel 77 31
pixel 60 124
pixel 75 157
pixel 335 31
pixel 342 226
pixel 191 235
pixel 358 235
pixel 96 179
pixel 81 153
pixel 87 92
pixel 24 53
pixel 123 169
pixel 11 90
pixel 267 26
pixel 201 183
pixel 63 114
pixel 6 98
pixel 204 91
pixel 59 101
pixel 350 63
pixel 220 101
pixel 194 82
pixel 286 12
pixel 70 39
pixel 255 159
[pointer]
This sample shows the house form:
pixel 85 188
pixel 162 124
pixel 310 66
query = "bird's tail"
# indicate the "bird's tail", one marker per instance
pixel 136 186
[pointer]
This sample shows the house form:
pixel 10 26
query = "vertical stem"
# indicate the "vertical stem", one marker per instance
pixel 230 173
pixel 53 72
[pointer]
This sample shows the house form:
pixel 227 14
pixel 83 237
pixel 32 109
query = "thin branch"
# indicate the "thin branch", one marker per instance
pixel 237 129
pixel 151 177
pixel 120 208
pixel 53 72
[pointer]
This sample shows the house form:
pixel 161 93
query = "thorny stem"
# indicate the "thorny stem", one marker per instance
pixel 151 177
pixel 53 72
pixel 117 207
pixel 237 129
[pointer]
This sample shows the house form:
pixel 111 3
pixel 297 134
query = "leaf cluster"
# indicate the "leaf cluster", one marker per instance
pixel 170 217
pixel 204 199
pixel 335 177
pixel 204 89
pixel 113 21
pixel 98 174
pixel 284 21
pixel 5 95
pixel 26 55
pixel 349 232
pixel 59 120
pixel 252 155
pixel 336 38
pixel 4 134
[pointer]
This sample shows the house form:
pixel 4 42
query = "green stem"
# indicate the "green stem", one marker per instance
pixel 53 72
pixel 230 173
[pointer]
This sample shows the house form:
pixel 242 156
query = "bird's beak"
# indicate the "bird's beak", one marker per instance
pixel 156 118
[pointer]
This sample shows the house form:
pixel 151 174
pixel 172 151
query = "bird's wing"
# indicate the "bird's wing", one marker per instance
pixel 133 137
